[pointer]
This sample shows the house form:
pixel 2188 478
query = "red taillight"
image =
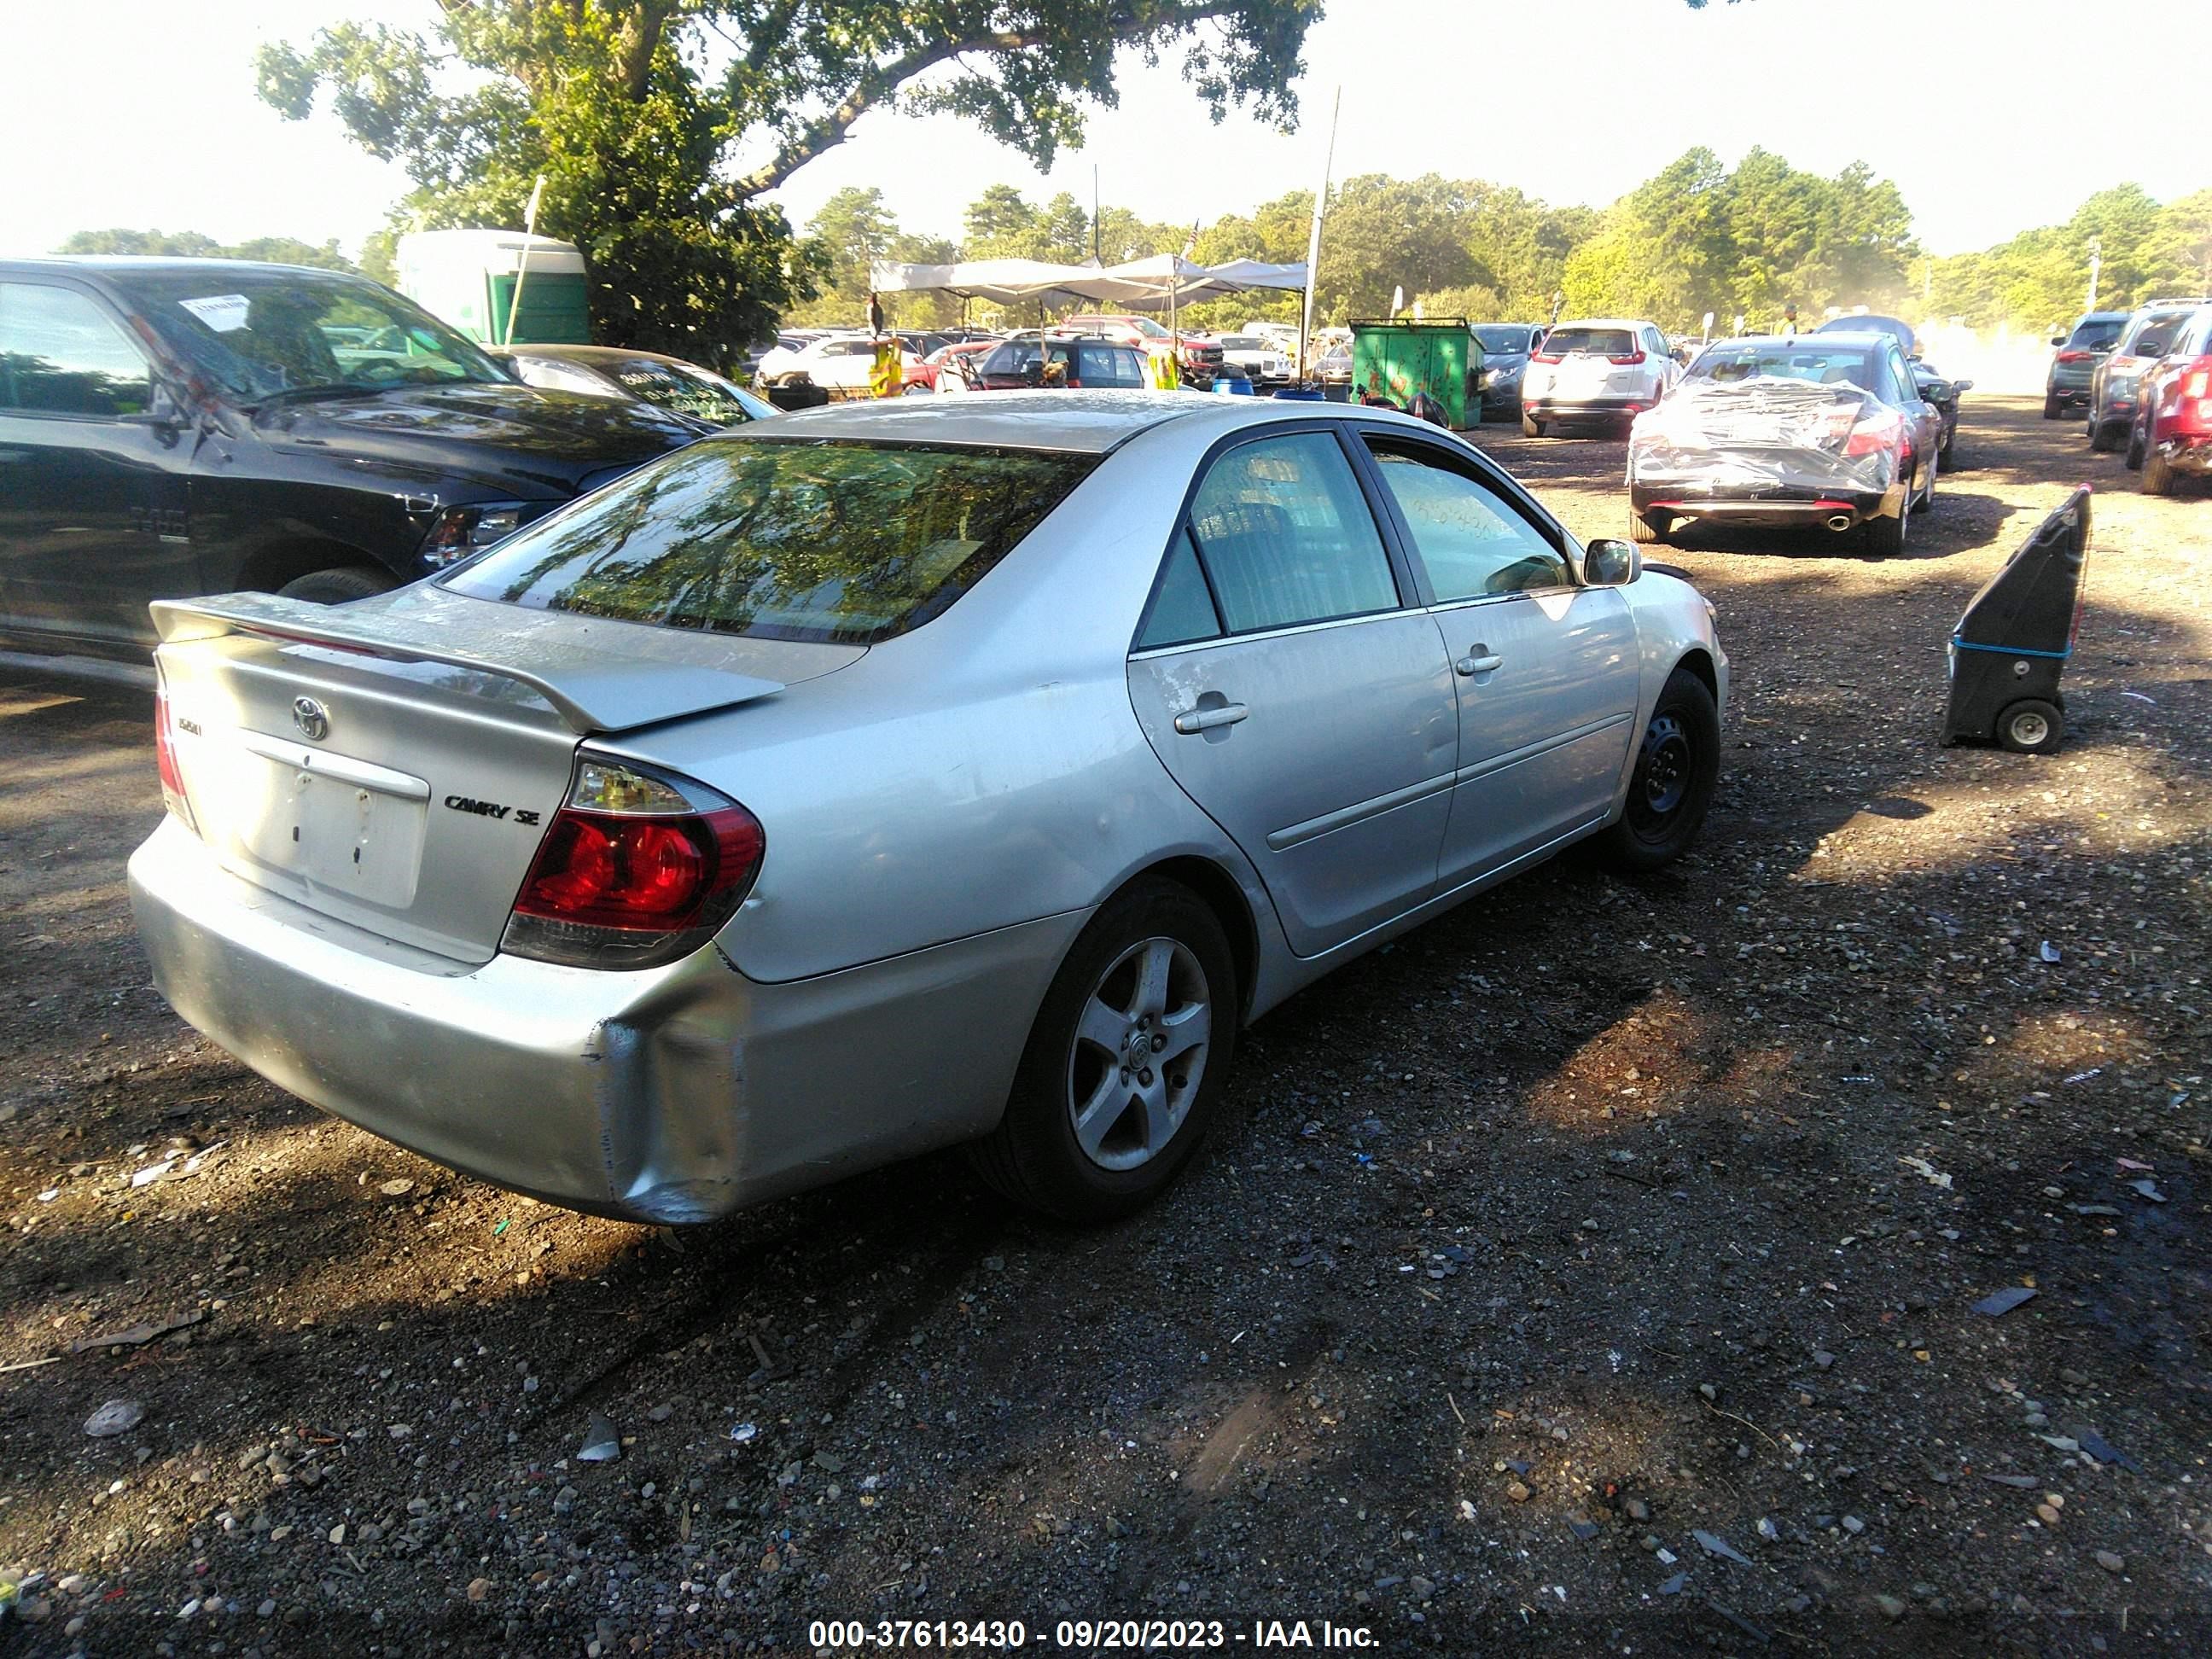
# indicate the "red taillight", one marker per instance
pixel 2074 357
pixel 165 757
pixel 624 889
pixel 1874 434
pixel 1631 358
pixel 1546 357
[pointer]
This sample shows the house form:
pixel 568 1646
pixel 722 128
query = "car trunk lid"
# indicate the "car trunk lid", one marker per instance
pixel 394 764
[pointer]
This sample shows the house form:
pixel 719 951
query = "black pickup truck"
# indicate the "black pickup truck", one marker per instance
pixel 178 427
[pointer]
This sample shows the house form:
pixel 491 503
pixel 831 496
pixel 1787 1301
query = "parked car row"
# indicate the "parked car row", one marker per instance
pixel 2142 378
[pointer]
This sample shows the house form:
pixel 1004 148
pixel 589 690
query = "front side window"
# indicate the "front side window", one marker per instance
pixel 836 542
pixel 60 354
pixel 1287 536
pixel 1471 542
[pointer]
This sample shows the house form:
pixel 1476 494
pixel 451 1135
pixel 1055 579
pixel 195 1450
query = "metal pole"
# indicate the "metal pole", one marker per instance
pixel 522 266
pixel 1313 240
pixel 2096 262
pixel 1095 253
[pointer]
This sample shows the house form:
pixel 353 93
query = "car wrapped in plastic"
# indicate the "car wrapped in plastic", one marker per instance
pixel 1826 432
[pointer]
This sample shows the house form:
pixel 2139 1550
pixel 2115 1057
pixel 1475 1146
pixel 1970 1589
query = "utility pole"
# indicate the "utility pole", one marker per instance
pixel 2096 260
pixel 1313 242
pixel 1095 258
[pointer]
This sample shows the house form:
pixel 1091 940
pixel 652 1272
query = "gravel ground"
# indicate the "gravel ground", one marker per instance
pixel 1594 1270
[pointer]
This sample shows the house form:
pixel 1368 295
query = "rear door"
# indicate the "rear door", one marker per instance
pixel 1546 671
pixel 1283 679
pixel 93 495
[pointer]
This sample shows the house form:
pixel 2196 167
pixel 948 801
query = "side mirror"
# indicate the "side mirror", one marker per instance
pixel 1611 563
pixel 1957 387
pixel 2058 339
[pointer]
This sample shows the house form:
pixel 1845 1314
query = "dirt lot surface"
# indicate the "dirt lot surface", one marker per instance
pixel 1593 1271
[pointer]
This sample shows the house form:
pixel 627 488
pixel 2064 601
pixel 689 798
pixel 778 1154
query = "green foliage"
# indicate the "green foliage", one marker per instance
pixel 634 111
pixel 189 244
pixel 2039 281
pixel 1697 237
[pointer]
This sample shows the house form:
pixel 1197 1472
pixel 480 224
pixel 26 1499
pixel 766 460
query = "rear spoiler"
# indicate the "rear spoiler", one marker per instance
pixel 553 654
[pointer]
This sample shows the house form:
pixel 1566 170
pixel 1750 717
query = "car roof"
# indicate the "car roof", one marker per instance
pixel 1080 422
pixel 587 354
pixel 1832 336
pixel 97 264
pixel 1604 322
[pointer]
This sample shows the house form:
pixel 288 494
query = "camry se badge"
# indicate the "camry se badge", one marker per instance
pixel 313 719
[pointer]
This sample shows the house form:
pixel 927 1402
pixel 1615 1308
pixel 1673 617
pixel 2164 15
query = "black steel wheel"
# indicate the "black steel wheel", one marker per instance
pixel 1677 763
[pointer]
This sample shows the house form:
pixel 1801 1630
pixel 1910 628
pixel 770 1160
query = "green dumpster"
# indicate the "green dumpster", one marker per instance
pixel 1438 355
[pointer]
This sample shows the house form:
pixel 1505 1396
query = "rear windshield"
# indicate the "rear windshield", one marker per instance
pixel 2097 334
pixel 1503 339
pixel 1806 360
pixel 1602 342
pixel 687 390
pixel 839 541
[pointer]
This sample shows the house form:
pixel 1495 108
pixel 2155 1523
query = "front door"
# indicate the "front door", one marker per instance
pixel 1285 683
pixel 91 494
pixel 1546 670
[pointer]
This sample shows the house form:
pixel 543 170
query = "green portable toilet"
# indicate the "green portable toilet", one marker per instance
pixel 1438 355
pixel 468 277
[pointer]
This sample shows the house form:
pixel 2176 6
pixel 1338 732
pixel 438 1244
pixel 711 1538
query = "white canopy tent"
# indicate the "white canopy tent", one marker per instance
pixel 1160 283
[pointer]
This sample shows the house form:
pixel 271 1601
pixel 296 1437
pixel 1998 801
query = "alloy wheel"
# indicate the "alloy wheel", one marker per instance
pixel 1140 1053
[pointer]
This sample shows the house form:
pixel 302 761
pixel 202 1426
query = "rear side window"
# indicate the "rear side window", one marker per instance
pixel 1599 342
pixel 1182 610
pixel 60 354
pixel 1107 366
pixel 845 543
pixel 1287 536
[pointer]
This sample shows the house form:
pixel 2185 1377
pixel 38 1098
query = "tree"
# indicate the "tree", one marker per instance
pixel 636 113
pixel 190 243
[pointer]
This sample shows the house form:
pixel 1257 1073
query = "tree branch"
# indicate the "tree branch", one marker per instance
pixel 880 80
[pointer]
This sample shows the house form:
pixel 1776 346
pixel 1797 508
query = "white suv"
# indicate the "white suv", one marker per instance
pixel 837 362
pixel 1602 369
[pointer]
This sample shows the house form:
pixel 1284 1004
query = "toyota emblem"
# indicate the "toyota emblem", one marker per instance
pixel 313 719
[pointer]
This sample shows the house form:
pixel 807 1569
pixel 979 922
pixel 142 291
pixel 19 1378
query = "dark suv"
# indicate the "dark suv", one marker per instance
pixel 174 427
pixel 2074 365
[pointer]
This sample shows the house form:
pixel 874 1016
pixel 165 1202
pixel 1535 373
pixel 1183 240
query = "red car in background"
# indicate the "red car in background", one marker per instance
pixel 2172 429
pixel 1200 359
pixel 940 371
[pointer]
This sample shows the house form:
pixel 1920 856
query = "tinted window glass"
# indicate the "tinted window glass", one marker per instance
pixel 1286 535
pixel 842 542
pixel 259 330
pixel 61 353
pixel 1107 366
pixel 1471 542
pixel 2096 336
pixel 1182 609
pixel 1601 342
pixel 1497 338
pixel 1802 359
pixel 687 390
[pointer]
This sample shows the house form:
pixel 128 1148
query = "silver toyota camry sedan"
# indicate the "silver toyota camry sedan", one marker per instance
pixel 893 775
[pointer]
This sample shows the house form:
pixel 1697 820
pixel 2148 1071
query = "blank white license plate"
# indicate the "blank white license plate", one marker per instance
pixel 344 826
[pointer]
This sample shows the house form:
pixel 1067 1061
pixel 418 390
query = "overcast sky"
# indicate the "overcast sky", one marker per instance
pixel 141 113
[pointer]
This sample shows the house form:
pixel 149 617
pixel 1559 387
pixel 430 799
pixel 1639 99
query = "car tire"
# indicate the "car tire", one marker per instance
pixel 1531 427
pixel 1885 537
pixel 1153 959
pixel 2134 457
pixel 916 389
pixel 1678 765
pixel 2100 436
pixel 337 585
pixel 2031 726
pixel 2157 474
pixel 1644 533
pixel 2053 408
pixel 1928 489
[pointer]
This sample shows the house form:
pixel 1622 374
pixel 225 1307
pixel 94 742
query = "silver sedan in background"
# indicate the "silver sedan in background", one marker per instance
pixel 888 776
